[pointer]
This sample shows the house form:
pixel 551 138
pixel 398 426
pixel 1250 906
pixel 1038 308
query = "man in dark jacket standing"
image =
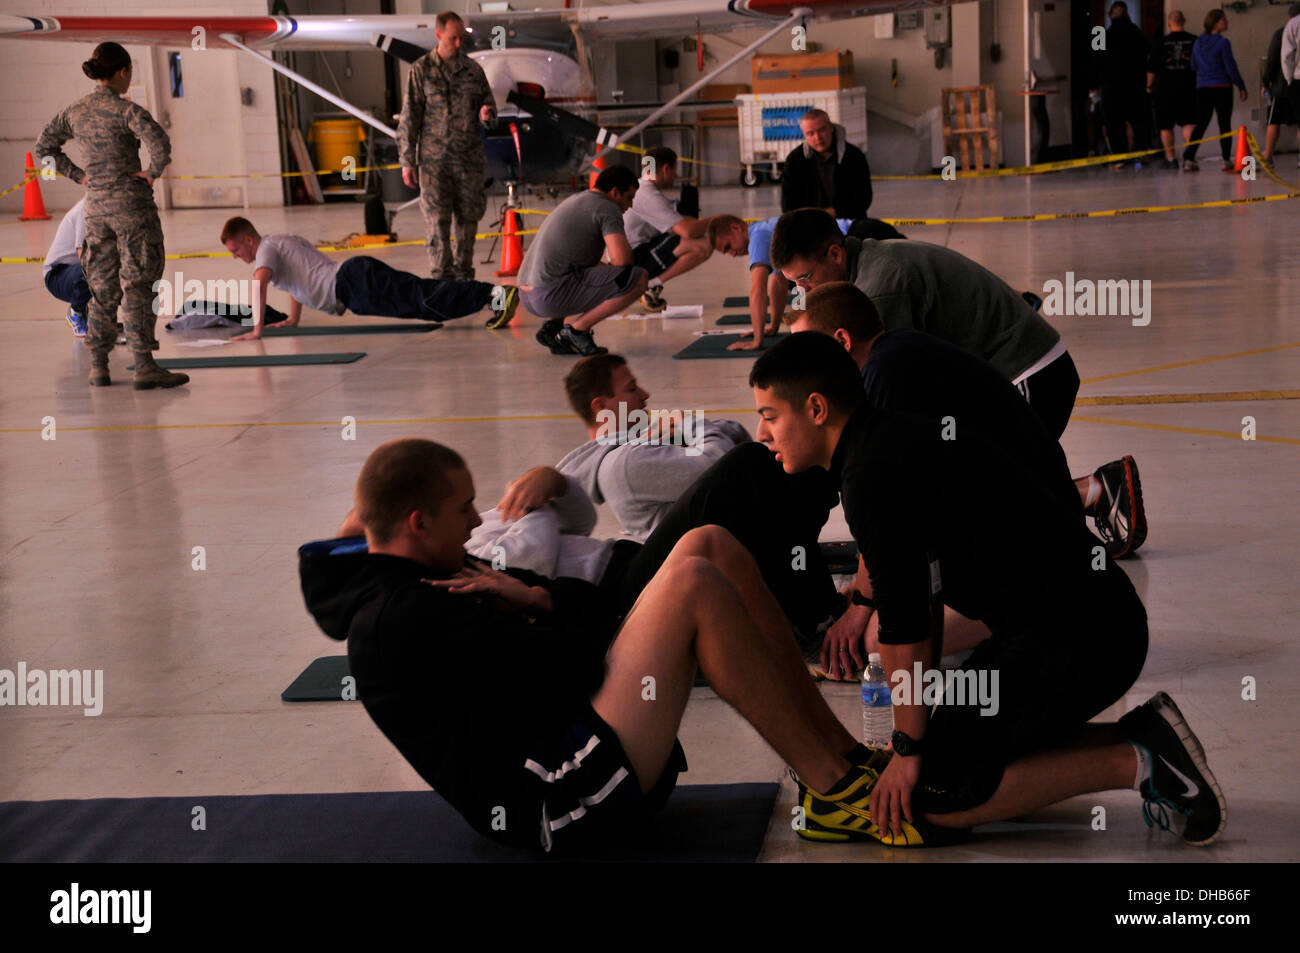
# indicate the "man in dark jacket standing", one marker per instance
pixel 1122 72
pixel 826 171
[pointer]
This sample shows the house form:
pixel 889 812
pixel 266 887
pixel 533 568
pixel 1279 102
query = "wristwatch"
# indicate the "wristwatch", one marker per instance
pixel 905 745
pixel 858 599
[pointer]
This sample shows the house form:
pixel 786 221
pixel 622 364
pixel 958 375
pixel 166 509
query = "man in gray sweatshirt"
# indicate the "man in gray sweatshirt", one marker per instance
pixel 638 461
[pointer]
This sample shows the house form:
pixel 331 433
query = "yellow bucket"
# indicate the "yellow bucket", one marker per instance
pixel 334 139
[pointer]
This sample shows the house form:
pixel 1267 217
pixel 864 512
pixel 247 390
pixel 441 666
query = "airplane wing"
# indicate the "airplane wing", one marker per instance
pixel 266 33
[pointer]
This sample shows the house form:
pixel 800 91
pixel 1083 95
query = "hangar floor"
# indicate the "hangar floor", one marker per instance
pixel 97 527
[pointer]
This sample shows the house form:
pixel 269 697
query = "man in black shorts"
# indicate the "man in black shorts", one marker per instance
pixel 1069 634
pixel 664 242
pixel 934 289
pixel 582 747
pixel 562 276
pixel 1172 80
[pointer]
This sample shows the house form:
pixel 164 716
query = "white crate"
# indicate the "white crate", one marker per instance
pixel 765 142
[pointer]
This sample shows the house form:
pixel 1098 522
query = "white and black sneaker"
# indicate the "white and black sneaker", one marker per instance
pixel 1119 515
pixel 579 342
pixel 1180 779
pixel 653 299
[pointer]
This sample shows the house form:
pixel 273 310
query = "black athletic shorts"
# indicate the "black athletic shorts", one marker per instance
pixel 1293 94
pixel 1051 392
pixel 1053 674
pixel 1283 112
pixel 1176 108
pixel 658 254
pixel 1078 657
pixel 590 792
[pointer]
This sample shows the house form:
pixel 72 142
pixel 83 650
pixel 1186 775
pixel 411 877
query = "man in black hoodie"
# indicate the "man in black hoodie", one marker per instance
pixel 583 744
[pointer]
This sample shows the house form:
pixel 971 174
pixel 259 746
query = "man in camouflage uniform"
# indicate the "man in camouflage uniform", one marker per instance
pixel 124 239
pixel 447 95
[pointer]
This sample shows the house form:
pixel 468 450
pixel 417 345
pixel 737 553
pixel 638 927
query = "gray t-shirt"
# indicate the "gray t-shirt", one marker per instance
pixel 939 291
pixel 298 268
pixel 572 235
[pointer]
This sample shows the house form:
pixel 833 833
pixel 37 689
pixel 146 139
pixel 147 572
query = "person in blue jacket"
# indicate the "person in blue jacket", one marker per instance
pixel 1216 74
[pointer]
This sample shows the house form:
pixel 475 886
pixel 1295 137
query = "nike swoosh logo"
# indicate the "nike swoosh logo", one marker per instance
pixel 1193 789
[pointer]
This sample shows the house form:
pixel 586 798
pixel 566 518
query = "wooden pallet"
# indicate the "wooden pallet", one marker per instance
pixel 970 117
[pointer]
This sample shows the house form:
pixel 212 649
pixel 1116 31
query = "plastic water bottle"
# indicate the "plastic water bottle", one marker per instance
pixel 877 707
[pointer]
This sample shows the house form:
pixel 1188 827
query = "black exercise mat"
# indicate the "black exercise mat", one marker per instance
pixel 257 360
pixel 722 823
pixel 715 346
pixel 405 326
pixel 841 558
pixel 737 301
pixel 736 317
pixel 321 681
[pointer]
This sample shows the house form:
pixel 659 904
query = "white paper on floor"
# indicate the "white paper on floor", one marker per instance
pixel 203 342
pixel 691 311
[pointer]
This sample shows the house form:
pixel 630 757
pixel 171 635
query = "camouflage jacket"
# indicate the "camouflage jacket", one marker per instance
pixel 110 129
pixel 440 111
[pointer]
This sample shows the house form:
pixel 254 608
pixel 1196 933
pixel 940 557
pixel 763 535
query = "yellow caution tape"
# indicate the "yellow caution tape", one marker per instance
pixel 15 188
pixel 1257 153
pixel 1042 167
pixel 323 248
pixel 1104 213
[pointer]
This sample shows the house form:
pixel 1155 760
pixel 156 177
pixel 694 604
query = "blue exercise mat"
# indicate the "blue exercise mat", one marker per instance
pixel 715 346
pixel 722 823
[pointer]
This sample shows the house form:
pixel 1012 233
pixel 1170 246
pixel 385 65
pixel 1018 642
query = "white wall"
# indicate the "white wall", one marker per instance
pixel 43 77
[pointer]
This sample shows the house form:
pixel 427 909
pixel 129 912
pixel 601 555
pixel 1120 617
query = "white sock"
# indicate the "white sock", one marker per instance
pixel 1094 493
pixel 1143 766
pixel 655 283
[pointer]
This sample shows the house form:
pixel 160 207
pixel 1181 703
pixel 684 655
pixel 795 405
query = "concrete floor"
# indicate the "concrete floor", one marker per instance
pixel 98 526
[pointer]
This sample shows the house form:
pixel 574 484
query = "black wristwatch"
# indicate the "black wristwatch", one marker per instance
pixel 858 599
pixel 905 745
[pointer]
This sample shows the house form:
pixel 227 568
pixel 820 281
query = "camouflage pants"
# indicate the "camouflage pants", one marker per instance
pixel 123 257
pixel 448 188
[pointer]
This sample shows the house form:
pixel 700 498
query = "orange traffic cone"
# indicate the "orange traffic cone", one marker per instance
pixel 512 249
pixel 1243 150
pixel 599 163
pixel 33 204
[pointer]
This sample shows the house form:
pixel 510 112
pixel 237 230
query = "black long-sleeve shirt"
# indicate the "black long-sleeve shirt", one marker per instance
pixel 959 520
pixel 420 656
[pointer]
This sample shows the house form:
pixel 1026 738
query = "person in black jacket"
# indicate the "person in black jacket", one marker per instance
pixel 826 171
pixel 1122 72
pixel 582 744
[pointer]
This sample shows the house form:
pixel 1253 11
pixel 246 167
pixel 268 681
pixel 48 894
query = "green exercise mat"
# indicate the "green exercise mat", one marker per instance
pixel 405 327
pixel 257 360
pixel 323 681
pixel 737 301
pixel 715 346
pixel 736 317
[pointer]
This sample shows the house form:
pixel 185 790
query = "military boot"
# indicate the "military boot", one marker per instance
pixel 99 369
pixel 149 375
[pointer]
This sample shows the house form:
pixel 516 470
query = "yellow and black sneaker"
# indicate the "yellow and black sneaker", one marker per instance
pixel 509 305
pixel 844 814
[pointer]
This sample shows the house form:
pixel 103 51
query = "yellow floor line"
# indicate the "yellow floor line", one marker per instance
pixel 1144 425
pixel 1105 401
pixel 1192 363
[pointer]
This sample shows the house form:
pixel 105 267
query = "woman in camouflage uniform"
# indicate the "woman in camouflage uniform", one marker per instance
pixel 124 240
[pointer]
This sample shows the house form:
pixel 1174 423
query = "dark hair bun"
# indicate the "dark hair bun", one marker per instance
pixel 107 59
